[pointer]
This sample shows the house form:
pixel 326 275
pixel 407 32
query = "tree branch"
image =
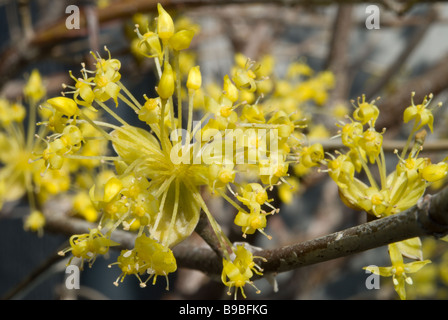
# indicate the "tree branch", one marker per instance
pixel 337 60
pixel 428 217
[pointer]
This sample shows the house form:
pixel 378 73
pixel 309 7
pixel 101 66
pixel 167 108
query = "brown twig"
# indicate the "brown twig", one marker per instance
pixel 91 13
pixel 338 56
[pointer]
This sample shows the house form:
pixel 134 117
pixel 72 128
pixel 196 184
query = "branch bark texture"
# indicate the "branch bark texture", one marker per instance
pixel 429 217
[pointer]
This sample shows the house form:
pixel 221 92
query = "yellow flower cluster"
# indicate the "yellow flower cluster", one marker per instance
pixel 250 137
pixel 19 175
pixel 241 147
pixel 254 93
pixel 149 257
pixel 399 270
pixel 88 246
pixel 396 191
pixel 238 271
pixel 430 282
pixel 14 156
pixel 28 165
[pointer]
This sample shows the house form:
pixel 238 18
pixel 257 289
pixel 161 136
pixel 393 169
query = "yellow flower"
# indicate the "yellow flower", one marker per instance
pixel 420 113
pixel 165 24
pixel 194 80
pixel 105 88
pixel 287 190
pixel 253 196
pixel 299 69
pixel 341 170
pixel 108 68
pixel 181 40
pixel 129 263
pixel 312 156
pixel 82 205
pixel 83 89
pixel 157 259
pixel 245 79
pixel 51 183
pixel 371 142
pixel 351 133
pixel 165 89
pixel 250 222
pixel 88 246
pixel 399 270
pixel 35 221
pixel 366 112
pixel 340 111
pixel 435 172
pixel 150 112
pixel 11 112
pixel 66 106
pixel 148 44
pixel 237 273
pixel 34 89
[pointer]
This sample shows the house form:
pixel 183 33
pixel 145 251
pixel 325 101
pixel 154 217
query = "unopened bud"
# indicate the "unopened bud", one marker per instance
pixel 181 40
pixel 194 80
pixel 66 106
pixel 165 24
pixel 165 88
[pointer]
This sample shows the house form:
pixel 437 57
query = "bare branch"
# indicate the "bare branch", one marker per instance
pixel 337 60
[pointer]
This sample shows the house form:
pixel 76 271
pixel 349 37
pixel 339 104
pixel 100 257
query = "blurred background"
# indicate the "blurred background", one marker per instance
pixel 409 52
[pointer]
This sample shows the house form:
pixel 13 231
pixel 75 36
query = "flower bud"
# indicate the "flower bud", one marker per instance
pixel 66 106
pixel 34 89
pixel 434 172
pixel 165 24
pixel 244 79
pixel 194 80
pixel 35 221
pixel 230 90
pixel 112 187
pixel 165 88
pixel 181 40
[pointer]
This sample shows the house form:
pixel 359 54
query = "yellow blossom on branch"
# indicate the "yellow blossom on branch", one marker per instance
pixel 399 271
